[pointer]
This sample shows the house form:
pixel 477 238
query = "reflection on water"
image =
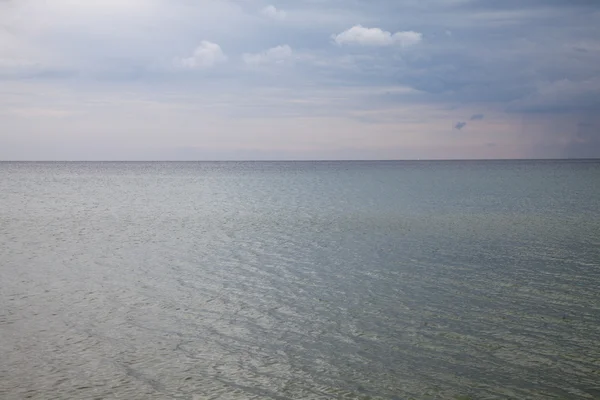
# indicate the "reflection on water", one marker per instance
pixel 300 280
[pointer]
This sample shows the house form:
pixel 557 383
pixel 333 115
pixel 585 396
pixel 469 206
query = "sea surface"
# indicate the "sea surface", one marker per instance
pixel 300 280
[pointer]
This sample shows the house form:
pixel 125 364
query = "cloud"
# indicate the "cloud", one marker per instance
pixel 560 95
pixel 460 125
pixel 477 117
pixel 207 55
pixel 275 55
pixel 271 12
pixel 360 35
pixel 586 140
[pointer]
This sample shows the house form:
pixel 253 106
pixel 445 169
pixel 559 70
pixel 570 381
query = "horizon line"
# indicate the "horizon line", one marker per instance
pixel 311 160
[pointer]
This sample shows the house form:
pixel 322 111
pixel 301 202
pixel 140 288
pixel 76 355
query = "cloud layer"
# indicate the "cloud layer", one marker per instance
pixel 314 79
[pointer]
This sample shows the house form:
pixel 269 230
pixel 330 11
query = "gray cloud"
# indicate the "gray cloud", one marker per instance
pixel 585 142
pixel 460 125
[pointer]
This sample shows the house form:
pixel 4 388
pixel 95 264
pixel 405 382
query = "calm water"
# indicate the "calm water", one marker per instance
pixel 353 280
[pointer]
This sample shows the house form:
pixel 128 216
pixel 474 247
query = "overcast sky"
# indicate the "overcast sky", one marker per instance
pixel 312 79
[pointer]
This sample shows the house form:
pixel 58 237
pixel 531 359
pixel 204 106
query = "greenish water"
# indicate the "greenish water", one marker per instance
pixel 311 280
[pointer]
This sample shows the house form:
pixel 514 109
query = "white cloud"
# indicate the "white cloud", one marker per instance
pixel 275 55
pixel 272 12
pixel 206 55
pixel 358 34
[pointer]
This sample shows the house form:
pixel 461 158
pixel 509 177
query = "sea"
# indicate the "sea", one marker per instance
pixel 300 280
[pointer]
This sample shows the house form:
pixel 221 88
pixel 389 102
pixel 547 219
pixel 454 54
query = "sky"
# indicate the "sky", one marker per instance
pixel 303 79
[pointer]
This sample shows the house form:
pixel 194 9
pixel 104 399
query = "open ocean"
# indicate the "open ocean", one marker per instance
pixel 300 280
